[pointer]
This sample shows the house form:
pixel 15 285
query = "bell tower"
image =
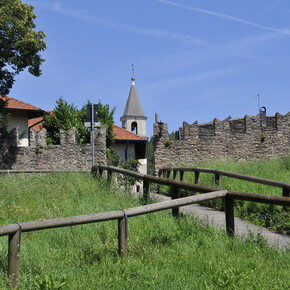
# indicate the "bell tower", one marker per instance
pixel 133 118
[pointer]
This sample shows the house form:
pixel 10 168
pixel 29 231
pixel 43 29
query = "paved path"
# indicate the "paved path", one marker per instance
pixel 242 228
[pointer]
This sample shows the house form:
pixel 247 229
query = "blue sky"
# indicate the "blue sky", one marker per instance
pixel 194 60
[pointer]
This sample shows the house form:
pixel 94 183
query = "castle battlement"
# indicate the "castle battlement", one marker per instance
pixel 248 137
pixel 39 156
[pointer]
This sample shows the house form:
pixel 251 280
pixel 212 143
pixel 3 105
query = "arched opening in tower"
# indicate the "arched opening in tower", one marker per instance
pixel 134 128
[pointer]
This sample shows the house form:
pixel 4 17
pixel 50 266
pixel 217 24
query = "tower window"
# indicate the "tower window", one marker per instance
pixel 134 127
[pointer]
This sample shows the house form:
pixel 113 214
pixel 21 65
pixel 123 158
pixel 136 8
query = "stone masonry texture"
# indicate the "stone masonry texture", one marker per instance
pixel 231 139
pixel 38 156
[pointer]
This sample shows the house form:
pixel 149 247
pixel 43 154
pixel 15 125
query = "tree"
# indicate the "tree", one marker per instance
pixel 66 116
pixel 106 117
pixel 4 115
pixel 19 43
pixel 150 157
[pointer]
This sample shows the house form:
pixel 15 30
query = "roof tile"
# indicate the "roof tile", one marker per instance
pixel 123 134
pixel 19 105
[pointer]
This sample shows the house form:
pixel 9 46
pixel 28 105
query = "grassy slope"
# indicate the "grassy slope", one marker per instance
pixel 272 169
pixel 265 215
pixel 163 252
pixel 272 217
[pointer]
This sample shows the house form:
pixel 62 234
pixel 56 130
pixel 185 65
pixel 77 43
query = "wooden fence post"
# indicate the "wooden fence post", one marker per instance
pixel 168 173
pixel 181 175
pixel 123 235
pixel 146 190
pixel 174 174
pixel 196 177
pixel 230 217
pixel 159 173
pixel 217 179
pixel 14 257
pixel 285 193
pixel 174 193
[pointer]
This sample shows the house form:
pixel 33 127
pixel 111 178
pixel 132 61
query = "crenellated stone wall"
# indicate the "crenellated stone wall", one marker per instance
pixel 230 139
pixel 68 155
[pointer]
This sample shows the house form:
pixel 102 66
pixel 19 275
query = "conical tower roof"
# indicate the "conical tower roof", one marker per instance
pixel 133 106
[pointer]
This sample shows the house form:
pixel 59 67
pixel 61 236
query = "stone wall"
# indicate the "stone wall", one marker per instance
pixel 230 139
pixel 68 155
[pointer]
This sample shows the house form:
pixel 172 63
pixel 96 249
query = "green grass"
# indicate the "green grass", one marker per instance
pixel 271 169
pixel 164 253
pixel 272 217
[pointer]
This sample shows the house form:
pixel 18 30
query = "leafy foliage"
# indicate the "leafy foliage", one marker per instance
pixel 4 116
pixel 171 136
pixel 113 158
pixel 150 157
pixel 106 117
pixel 20 44
pixel 65 116
pixel 126 182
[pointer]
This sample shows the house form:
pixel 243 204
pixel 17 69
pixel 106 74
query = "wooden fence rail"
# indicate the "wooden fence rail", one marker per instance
pixel 14 231
pixel 218 173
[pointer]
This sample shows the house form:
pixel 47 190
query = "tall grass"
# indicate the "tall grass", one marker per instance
pixel 164 253
pixel 273 217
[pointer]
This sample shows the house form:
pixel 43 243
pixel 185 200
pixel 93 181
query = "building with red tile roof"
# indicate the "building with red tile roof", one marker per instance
pixel 20 114
pixel 16 105
pixel 127 144
pixel 35 124
pixel 122 134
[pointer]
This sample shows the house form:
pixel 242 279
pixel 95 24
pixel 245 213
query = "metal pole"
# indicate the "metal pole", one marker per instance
pixel 93 138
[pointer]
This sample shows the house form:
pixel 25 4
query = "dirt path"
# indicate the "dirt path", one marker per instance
pixel 242 228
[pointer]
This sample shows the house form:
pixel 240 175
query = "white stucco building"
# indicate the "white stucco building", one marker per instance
pixel 20 114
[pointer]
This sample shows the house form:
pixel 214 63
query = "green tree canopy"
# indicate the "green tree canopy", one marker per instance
pixel 66 116
pixel 3 114
pixel 19 43
pixel 106 117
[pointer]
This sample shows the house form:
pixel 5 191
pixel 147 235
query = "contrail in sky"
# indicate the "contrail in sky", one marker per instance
pixel 91 18
pixel 225 16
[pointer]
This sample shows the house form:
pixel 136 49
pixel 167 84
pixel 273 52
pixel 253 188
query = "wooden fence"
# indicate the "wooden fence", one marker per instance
pixel 14 231
pixel 166 172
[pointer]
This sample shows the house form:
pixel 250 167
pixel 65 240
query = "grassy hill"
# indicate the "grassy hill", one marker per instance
pixel 164 253
pixel 272 217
